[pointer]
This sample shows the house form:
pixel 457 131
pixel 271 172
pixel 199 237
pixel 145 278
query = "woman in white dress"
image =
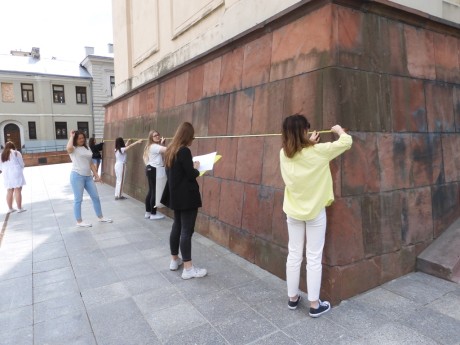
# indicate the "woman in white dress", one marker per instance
pixel 120 161
pixel 13 176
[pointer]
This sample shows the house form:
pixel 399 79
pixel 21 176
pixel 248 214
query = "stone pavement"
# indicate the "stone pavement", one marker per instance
pixel 110 284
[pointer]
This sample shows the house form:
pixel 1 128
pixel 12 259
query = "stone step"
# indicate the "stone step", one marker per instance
pixel 442 257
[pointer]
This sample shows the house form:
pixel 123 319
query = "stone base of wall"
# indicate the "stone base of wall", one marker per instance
pixel 45 158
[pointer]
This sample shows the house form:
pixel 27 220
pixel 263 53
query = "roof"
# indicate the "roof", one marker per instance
pixel 30 65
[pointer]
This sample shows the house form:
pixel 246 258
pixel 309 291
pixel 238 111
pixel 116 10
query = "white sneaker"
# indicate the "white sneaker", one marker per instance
pixel 194 272
pixel 21 210
pixel 105 220
pixel 147 215
pixel 156 216
pixel 11 210
pixel 174 265
pixel 84 225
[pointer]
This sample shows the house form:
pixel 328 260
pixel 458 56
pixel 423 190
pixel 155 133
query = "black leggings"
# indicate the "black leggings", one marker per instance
pixel 181 233
pixel 150 202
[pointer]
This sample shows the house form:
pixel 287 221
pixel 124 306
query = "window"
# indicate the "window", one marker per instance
pixel 83 127
pixel 81 94
pixel 7 92
pixel 58 94
pixel 112 84
pixel 27 91
pixel 32 130
pixel 61 130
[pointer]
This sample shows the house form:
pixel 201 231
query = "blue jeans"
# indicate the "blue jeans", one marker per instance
pixel 79 183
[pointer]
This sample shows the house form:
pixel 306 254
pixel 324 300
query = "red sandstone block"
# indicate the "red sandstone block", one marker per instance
pixel 152 99
pixel 271 257
pixel 350 29
pixel 381 222
pixel 242 243
pixel 332 111
pixel 456 98
pixel 271 173
pixel 439 105
pixel 420 52
pixel 186 113
pixel 397 264
pixel 268 108
pixel 211 79
pixel 143 96
pixel 304 95
pixel 446 206
pixel 167 93
pixel 206 146
pixel 231 202
pixel 257 56
pixel 249 160
pixel 232 70
pixel 361 167
pixel 195 83
pixel 408 110
pixel 303 45
pixel 447 59
pixel 218 115
pixel 359 277
pixel 336 173
pixel 211 196
pixel 344 236
pixel 426 159
pixel 201 117
pixel 396 54
pixel 394 161
pixel 417 216
pixel 450 156
pixel 202 224
pixel 219 232
pixel 279 226
pixel 181 89
pixel 226 167
pixel 258 210
pixel 240 112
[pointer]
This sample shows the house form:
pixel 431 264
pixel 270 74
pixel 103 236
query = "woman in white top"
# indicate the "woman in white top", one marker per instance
pixel 120 161
pixel 13 176
pixel 81 179
pixel 156 175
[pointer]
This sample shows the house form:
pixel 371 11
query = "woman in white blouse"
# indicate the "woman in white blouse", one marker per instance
pixel 13 176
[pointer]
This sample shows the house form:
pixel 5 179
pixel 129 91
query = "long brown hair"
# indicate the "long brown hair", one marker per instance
pixel 147 147
pixel 294 135
pixel 76 136
pixel 183 137
pixel 6 152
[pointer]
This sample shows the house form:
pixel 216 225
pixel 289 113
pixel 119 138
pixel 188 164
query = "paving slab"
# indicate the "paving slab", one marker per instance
pixel 111 284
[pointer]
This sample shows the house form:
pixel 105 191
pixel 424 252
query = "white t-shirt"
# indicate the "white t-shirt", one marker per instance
pixel 81 160
pixel 156 159
pixel 120 157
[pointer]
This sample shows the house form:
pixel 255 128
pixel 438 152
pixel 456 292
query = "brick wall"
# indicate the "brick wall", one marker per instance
pixel 394 84
pixel 45 158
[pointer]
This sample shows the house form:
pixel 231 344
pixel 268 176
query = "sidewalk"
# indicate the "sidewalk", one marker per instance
pixel 111 284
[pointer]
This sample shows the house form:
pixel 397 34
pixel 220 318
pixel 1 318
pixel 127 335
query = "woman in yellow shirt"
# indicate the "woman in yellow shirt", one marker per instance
pixel 305 170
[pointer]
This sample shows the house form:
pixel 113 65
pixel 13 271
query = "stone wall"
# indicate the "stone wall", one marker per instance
pixel 392 78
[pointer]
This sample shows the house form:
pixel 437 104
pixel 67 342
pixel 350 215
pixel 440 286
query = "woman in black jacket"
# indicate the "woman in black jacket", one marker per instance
pixel 96 149
pixel 182 194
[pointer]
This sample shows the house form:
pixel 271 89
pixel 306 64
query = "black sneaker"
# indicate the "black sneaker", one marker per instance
pixel 293 304
pixel 324 307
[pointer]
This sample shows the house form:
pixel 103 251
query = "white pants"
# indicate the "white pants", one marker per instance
pixel 315 231
pixel 119 171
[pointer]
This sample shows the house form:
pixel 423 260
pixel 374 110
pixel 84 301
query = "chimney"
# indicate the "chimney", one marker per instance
pixel 35 53
pixel 110 48
pixel 89 51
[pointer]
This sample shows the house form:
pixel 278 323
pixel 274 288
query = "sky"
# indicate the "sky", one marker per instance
pixel 60 28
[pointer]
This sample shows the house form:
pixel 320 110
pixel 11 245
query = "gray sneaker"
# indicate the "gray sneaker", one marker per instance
pixel 174 265
pixel 194 272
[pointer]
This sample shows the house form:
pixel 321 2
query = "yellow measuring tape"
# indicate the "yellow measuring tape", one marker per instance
pixel 232 136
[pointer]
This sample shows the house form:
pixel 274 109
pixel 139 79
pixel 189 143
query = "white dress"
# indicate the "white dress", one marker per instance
pixel 12 169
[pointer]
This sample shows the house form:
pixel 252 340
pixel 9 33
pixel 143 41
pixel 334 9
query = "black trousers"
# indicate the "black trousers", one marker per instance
pixel 181 233
pixel 150 201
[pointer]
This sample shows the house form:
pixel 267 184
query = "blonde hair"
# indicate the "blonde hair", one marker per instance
pixel 150 141
pixel 183 137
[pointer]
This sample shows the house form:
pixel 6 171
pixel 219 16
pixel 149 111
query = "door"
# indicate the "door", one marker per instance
pixel 12 133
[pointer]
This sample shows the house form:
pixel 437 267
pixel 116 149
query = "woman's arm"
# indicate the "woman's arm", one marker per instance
pixel 70 147
pixel 95 174
pixel 133 144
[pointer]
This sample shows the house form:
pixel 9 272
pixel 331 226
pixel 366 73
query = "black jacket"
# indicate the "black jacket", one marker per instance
pixel 96 149
pixel 182 191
